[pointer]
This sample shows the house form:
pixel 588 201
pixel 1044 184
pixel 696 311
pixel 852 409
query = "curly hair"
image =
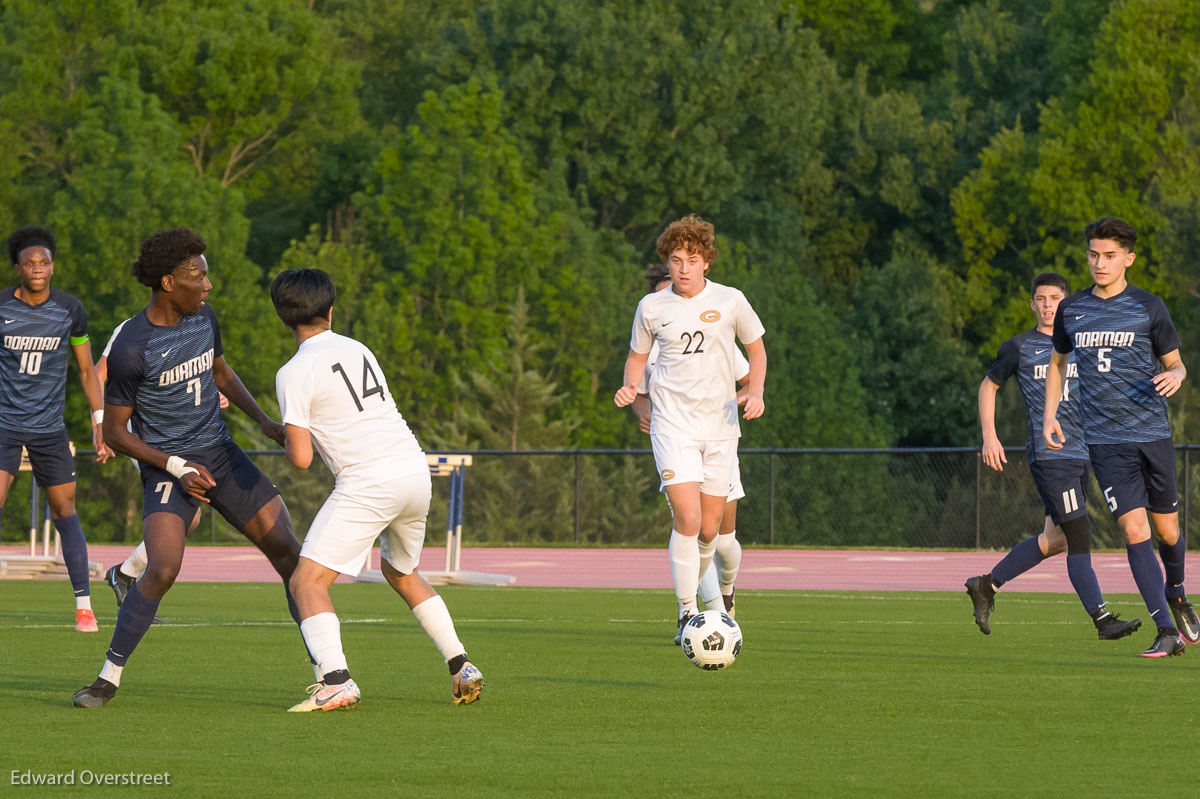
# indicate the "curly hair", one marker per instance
pixel 1117 230
pixel 692 234
pixel 655 274
pixel 30 236
pixel 164 251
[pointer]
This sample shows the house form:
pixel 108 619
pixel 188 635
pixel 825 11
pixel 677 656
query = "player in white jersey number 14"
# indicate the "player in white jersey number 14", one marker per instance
pixel 333 397
pixel 694 422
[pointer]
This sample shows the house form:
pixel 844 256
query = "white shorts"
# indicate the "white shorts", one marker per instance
pixel 347 525
pixel 685 460
pixel 735 486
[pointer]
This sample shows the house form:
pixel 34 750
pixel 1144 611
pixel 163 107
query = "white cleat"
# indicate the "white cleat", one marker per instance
pixel 329 697
pixel 466 685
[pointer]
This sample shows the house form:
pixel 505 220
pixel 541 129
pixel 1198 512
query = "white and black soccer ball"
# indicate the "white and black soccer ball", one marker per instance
pixel 711 640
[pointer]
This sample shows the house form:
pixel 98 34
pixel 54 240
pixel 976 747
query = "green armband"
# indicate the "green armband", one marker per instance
pixel 77 340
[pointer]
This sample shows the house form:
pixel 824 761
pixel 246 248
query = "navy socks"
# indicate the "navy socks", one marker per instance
pixel 1020 559
pixel 1083 580
pixel 74 550
pixel 1172 559
pixel 1149 579
pixel 137 612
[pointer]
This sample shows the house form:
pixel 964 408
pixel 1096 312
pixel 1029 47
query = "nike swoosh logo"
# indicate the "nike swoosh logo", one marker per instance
pixel 1077 318
pixel 1038 352
pixel 664 324
pixel 9 321
pixel 168 352
pixel 328 699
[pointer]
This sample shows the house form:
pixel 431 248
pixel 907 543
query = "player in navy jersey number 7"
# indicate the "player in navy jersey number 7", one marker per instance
pixel 164 370
pixel 1121 335
pixel 41 326
pixel 1060 475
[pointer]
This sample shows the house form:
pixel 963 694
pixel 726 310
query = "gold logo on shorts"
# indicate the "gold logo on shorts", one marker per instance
pixel 667 474
pixel 710 316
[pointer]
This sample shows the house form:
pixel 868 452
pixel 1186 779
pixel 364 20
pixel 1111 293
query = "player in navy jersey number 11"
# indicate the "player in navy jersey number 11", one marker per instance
pixel 164 370
pixel 1127 352
pixel 42 329
pixel 1061 476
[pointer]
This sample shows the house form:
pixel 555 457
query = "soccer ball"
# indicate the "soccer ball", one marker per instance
pixel 711 640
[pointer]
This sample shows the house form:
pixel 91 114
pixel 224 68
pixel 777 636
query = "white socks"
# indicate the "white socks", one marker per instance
pixel 323 634
pixel 729 560
pixel 135 564
pixel 710 589
pixel 684 551
pixel 435 620
pixel 111 672
pixel 83 603
pixel 706 553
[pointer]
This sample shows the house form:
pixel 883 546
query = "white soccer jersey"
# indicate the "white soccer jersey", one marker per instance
pixel 333 386
pixel 691 386
pixel 741 368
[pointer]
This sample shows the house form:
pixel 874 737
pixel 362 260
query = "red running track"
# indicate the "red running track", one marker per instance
pixel 647 568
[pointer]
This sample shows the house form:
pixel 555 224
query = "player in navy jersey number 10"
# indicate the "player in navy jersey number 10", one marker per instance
pixel 41 326
pixel 1061 476
pixel 164 370
pixel 1127 352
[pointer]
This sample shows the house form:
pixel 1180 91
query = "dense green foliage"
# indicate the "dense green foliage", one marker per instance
pixel 885 177
pixel 835 694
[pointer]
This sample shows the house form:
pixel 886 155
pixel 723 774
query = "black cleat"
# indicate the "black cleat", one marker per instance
pixel 97 694
pixel 1185 619
pixel 1167 643
pixel 683 620
pixel 1110 627
pixel 120 583
pixel 728 600
pixel 983 595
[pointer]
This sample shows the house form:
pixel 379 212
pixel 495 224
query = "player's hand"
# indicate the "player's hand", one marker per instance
pixel 1052 434
pixel 274 431
pixel 198 483
pixel 222 400
pixel 644 423
pixel 103 451
pixel 753 403
pixel 625 395
pixel 993 453
pixel 1166 383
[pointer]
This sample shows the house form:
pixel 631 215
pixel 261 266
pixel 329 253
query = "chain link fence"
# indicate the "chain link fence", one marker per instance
pixel 906 498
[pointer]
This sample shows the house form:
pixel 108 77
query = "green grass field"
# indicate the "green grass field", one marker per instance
pixel 834 695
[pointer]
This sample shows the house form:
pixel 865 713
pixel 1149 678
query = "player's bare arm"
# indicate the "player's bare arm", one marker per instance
pixel 1056 376
pixel 194 478
pixel 229 384
pixel 90 381
pixel 752 399
pixel 993 450
pixel 1168 381
pixel 298 445
pixel 635 367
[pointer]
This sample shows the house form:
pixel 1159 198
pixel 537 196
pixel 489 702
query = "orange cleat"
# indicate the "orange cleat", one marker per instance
pixel 85 621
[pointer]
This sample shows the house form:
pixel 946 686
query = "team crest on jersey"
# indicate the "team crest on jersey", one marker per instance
pixel 667 474
pixel 710 316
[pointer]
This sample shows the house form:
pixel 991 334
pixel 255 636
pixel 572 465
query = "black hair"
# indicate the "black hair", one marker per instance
pixel 163 252
pixel 1114 229
pixel 1050 279
pixel 655 274
pixel 302 296
pixel 30 236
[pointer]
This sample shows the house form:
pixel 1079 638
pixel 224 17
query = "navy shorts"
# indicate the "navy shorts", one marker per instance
pixel 241 488
pixel 1062 484
pixel 1136 475
pixel 49 454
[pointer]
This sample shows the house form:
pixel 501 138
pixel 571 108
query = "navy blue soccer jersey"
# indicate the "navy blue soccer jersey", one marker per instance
pixel 165 374
pixel 1027 355
pixel 33 359
pixel 1118 342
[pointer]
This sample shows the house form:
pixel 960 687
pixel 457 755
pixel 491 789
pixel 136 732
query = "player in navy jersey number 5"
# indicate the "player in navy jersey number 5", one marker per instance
pixel 1060 475
pixel 41 326
pixel 164 370
pixel 1120 336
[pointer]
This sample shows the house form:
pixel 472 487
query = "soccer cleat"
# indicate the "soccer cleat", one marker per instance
pixel 683 620
pixel 85 621
pixel 1110 627
pixel 1167 643
pixel 983 595
pixel 466 685
pixel 120 583
pixel 1185 619
pixel 728 600
pixel 97 694
pixel 329 697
